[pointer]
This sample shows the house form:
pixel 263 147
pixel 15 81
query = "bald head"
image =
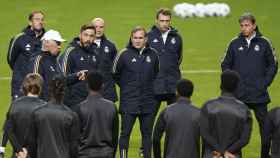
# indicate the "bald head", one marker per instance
pixel 97 20
pixel 99 25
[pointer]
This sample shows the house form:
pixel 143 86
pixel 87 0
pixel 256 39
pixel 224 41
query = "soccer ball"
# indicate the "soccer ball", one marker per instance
pixel 187 10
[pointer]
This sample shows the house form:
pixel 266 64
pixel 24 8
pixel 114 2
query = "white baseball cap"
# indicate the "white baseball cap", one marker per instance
pixel 53 35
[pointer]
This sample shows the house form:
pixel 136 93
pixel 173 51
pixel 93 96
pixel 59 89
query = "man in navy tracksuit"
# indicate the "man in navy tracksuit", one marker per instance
pixel 80 55
pixel 167 41
pixel 169 45
pixel 107 52
pixel 135 70
pixel 46 63
pixel 22 48
pixel 253 57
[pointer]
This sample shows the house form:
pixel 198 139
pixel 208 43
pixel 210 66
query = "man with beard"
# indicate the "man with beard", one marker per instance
pixel 108 52
pixel 22 48
pixel 80 55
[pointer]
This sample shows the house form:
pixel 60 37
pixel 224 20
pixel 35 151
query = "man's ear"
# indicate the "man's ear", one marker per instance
pixel 255 26
pixel 30 23
pixel 146 39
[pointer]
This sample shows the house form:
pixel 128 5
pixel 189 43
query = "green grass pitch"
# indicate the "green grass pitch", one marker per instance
pixel 204 40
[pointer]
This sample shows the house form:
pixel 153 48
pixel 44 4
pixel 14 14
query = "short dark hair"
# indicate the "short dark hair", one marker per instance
pixel 138 28
pixel 56 89
pixel 164 11
pixel 247 16
pixel 185 88
pixel 95 81
pixel 87 26
pixel 229 81
pixel 32 83
pixel 31 15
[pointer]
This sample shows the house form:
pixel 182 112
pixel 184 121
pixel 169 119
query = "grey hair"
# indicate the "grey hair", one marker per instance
pixel 247 16
pixel 43 45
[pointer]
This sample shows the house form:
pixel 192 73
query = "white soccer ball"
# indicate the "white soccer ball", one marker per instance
pixel 225 9
pixel 200 10
pixel 187 10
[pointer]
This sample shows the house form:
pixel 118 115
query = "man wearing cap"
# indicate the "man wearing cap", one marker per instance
pixel 22 48
pixel 46 63
pixel 253 57
pixel 108 52
pixel 81 54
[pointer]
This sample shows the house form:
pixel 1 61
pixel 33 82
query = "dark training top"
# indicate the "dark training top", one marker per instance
pixel 99 127
pixel 55 132
pixel 225 124
pixel 19 120
pixel 180 123
pixel 272 134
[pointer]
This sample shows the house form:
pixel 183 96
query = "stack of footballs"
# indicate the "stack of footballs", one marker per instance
pixel 187 10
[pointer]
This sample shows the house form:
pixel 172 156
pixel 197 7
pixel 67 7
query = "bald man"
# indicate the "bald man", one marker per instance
pixel 108 52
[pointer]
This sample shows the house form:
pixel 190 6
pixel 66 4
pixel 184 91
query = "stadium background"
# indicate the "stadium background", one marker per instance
pixel 205 40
